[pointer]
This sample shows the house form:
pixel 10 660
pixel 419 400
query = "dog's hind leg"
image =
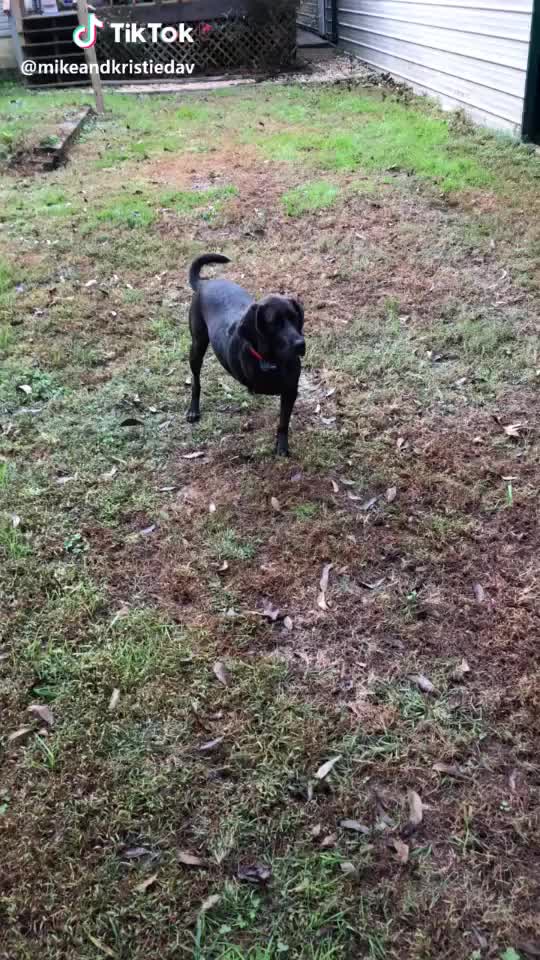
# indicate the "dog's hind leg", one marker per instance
pixel 199 346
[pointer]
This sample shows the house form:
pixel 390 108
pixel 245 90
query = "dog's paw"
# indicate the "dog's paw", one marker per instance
pixel 192 416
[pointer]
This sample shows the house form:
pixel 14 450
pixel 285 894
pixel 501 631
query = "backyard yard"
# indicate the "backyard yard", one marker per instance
pixel 255 708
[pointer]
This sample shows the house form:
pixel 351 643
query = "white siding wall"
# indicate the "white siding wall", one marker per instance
pixel 7 53
pixel 470 54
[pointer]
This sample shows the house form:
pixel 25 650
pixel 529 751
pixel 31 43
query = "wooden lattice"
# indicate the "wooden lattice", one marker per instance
pixel 221 45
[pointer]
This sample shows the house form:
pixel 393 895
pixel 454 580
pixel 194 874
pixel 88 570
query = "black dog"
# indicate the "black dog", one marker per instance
pixel 259 344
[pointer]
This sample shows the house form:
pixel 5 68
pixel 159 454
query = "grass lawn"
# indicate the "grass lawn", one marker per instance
pixel 358 776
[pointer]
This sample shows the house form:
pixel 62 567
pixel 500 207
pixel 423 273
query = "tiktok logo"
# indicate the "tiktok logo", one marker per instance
pixel 85 37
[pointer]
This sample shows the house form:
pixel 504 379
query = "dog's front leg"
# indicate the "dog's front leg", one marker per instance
pixel 288 400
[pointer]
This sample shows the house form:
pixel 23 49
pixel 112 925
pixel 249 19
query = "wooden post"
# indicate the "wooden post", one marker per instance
pixel 91 58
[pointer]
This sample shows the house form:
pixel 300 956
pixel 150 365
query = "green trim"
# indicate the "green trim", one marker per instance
pixel 530 129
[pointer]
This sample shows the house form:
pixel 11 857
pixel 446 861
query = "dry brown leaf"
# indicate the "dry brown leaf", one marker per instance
pixel 329 840
pixel 210 745
pixel 109 474
pixel 288 623
pixel 450 769
pixel 115 698
pixel 212 508
pixel 335 486
pixel 19 734
pixel 42 711
pixel 190 859
pixel 459 673
pixel 101 946
pixel 323 586
pixel 224 566
pixel 272 613
pixel 325 769
pixel 25 388
pixel 402 850
pixel 221 672
pixel 479 592
pixel 149 882
pixel 391 494
pixel 514 429
pixel 416 808
pixel 193 456
pixel 347 867
pixel 15 520
pixel 316 830
pixel 422 682
pixel 254 873
pixel 210 902
pixel 275 504
pixel 354 825
pixel 135 853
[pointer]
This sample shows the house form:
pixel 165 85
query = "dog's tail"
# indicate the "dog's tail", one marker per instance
pixel 201 262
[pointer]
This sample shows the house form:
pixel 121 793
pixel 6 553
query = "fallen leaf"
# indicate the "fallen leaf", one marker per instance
pixel 193 456
pixel 131 422
pixel 325 769
pixel 25 388
pixel 354 825
pixel 19 734
pixel 221 672
pixel 115 697
pixel 210 745
pixel 402 850
pixel 416 809
pixel 135 853
pixel 15 520
pixel 459 673
pixel 101 946
pixel 90 283
pixel 401 443
pixel 316 830
pixel 368 504
pixel 190 859
pixel 43 712
pixel 328 841
pixel 391 494
pixel 271 612
pixel 514 429
pixel 61 481
pixel 479 592
pixel 254 873
pixel 323 586
pixel 335 486
pixel 347 867
pixel 422 682
pixel 210 902
pixel 287 623
pixel 450 769
pixel 109 474
pixel 224 566
pixel 149 882
pixel 275 504
pixel 212 508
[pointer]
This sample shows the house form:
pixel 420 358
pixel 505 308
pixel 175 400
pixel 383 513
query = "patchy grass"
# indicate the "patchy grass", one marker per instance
pixel 309 197
pixel 130 571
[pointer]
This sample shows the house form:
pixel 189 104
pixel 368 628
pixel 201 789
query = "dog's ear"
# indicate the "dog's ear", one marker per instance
pixel 248 326
pixel 299 310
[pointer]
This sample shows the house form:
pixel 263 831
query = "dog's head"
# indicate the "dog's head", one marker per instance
pixel 274 328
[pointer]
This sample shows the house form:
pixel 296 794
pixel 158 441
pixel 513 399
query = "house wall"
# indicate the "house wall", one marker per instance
pixel 470 54
pixel 308 14
pixel 7 53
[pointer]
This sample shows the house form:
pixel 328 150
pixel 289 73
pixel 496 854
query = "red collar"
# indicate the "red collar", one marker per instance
pixel 254 353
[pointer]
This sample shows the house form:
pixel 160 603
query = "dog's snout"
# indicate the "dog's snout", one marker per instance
pixel 300 347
